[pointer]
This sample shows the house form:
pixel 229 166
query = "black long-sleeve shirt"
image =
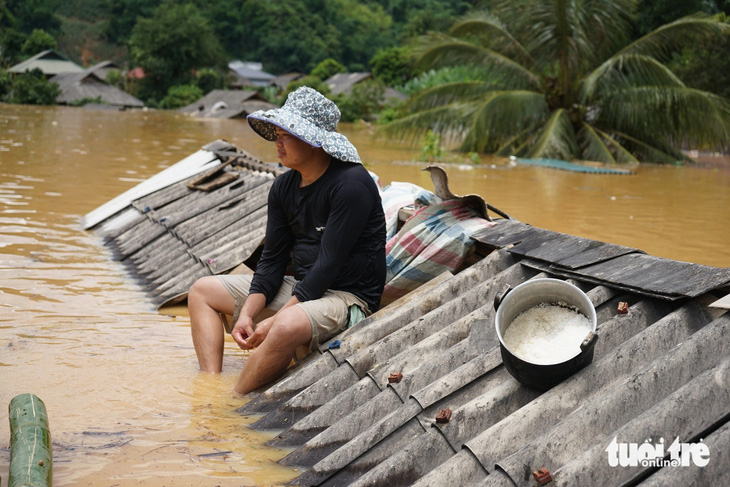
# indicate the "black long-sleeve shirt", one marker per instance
pixel 334 231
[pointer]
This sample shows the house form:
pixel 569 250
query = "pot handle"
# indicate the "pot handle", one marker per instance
pixel 501 295
pixel 589 341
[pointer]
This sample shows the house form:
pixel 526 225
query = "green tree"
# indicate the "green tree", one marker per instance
pixel 172 43
pixel 313 82
pixel 392 65
pixel 567 81
pixel 363 103
pixel 33 88
pixel 123 15
pixel 12 43
pixel 208 79
pixel 38 41
pixel 6 83
pixel 181 95
pixel 652 14
pixel 327 68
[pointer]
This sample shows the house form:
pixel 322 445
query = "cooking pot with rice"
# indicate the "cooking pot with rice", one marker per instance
pixel 547 331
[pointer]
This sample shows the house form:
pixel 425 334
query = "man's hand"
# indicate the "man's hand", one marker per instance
pixel 242 330
pixel 258 336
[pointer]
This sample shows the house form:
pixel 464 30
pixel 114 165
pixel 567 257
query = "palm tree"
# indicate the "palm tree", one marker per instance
pixel 564 79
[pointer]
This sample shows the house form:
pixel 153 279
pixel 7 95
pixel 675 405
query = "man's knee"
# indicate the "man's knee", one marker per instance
pixel 290 329
pixel 208 291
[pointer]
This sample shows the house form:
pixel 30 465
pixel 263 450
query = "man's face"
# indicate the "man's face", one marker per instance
pixel 292 151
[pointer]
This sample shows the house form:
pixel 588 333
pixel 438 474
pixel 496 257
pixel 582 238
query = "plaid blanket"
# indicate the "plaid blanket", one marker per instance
pixel 435 239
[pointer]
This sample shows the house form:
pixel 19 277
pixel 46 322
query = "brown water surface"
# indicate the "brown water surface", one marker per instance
pixel 119 379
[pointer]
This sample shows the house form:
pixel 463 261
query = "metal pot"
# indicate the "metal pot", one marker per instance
pixel 511 302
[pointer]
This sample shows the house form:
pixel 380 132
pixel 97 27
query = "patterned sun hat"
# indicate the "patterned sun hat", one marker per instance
pixel 310 116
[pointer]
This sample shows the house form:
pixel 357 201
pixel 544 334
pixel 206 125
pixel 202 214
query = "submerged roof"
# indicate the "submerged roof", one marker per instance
pixel 660 371
pixel 227 104
pixel 362 410
pixel 343 82
pixel 250 73
pixel 205 223
pixel 87 85
pixel 49 61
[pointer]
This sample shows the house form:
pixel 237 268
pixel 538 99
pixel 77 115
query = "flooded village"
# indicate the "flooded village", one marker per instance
pixel 112 210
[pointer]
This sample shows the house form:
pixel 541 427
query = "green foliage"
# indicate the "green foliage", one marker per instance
pixel 392 65
pixel 314 82
pixel 441 76
pixel 38 41
pixel 652 14
pixel 363 103
pixel 115 78
pixel 327 68
pixel 123 15
pixel 208 79
pixel 171 44
pixel 181 95
pixel 33 88
pixel 431 149
pixel 567 81
pixel 6 83
pixel 705 65
pixel 27 15
pixel 12 43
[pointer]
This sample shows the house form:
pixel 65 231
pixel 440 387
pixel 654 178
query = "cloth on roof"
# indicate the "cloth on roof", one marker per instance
pixel 435 239
pixel 399 195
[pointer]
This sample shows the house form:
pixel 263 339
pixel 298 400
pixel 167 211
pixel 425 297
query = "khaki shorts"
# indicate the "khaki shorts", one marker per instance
pixel 327 315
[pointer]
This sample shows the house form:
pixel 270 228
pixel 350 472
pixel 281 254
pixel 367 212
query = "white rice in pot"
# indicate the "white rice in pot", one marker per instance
pixel 547 333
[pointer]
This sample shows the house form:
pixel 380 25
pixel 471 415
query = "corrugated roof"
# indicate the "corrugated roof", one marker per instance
pixel 343 82
pixel 87 85
pixel 206 224
pixel 227 104
pixel 659 371
pixel 49 61
pixel 251 74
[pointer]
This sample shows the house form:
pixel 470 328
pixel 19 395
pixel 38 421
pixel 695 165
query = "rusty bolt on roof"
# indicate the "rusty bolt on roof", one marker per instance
pixel 395 377
pixel 542 476
pixel 623 308
pixel 443 416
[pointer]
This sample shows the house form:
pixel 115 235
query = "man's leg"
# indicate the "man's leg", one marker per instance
pixel 290 329
pixel 206 298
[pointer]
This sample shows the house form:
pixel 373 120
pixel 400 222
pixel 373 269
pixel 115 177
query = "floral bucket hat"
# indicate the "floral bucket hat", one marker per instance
pixel 310 116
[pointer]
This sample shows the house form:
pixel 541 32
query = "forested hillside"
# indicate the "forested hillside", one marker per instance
pixel 184 46
pixel 290 35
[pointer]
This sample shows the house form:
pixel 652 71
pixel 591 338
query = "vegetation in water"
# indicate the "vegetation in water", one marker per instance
pixel 567 81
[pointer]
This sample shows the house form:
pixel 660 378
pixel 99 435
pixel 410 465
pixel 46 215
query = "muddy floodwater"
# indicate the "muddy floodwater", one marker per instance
pixel 126 403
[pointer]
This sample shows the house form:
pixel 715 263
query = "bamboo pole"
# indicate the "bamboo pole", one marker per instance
pixel 30 443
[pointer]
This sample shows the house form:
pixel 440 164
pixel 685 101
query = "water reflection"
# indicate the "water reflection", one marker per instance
pixel 119 379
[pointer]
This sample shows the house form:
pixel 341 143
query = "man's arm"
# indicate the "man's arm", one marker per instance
pixel 278 243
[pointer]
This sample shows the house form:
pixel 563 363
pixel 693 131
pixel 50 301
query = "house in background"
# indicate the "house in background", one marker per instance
pixel 103 68
pixel 50 62
pixel 343 83
pixel 283 80
pixel 88 85
pixel 227 104
pixel 249 74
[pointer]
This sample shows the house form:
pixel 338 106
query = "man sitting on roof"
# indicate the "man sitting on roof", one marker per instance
pixel 325 220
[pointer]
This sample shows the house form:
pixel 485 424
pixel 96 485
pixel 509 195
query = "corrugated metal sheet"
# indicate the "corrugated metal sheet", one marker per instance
pixel 172 233
pixel 660 371
pixel 87 85
pixel 49 61
pixel 227 104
